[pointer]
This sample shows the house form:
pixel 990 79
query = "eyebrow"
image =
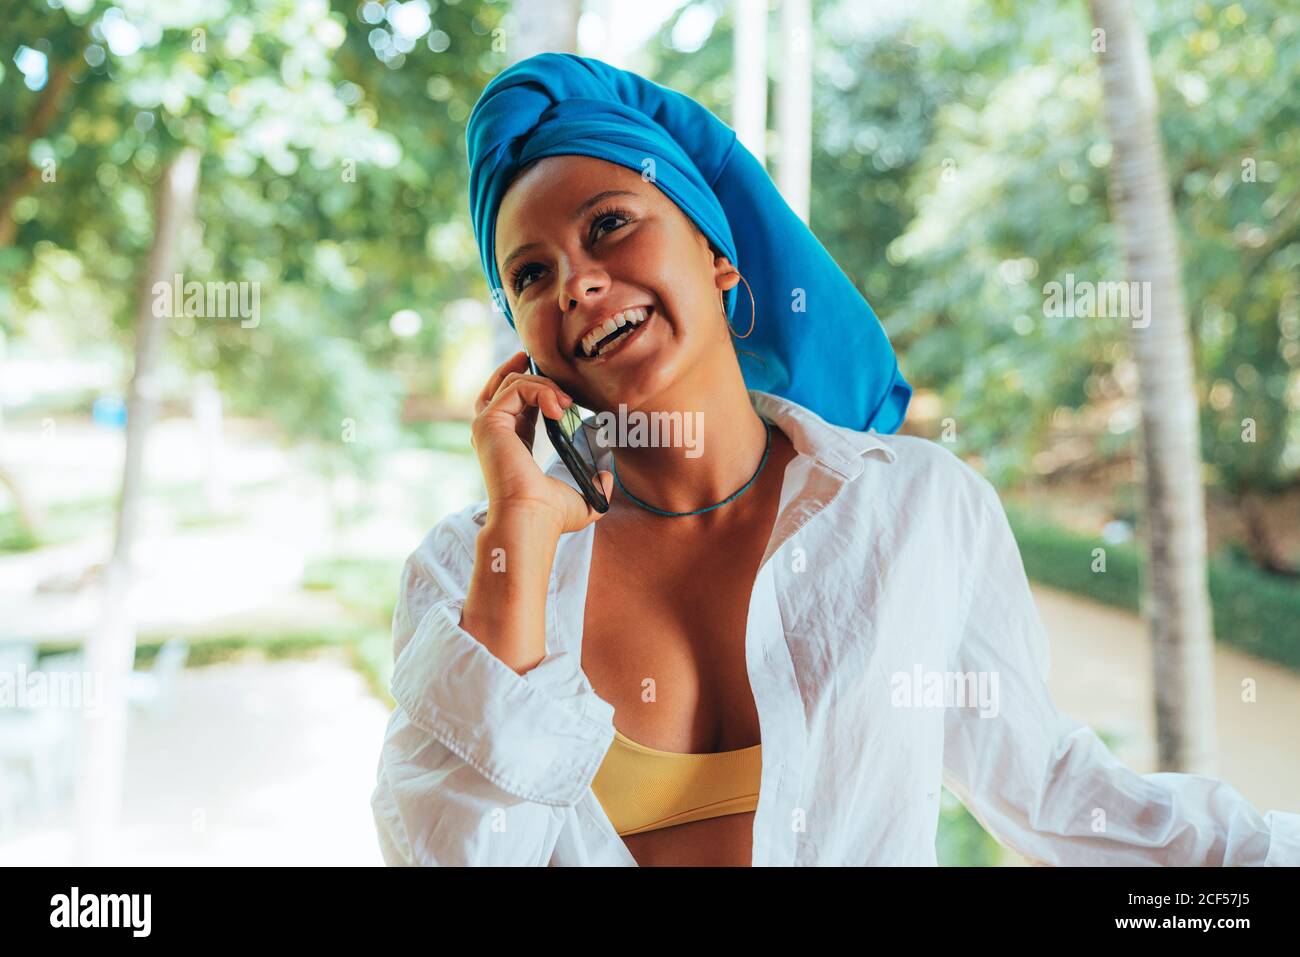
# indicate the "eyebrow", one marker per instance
pixel 577 214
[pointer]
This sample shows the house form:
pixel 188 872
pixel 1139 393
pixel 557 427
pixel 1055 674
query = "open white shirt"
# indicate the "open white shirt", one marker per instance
pixel 890 573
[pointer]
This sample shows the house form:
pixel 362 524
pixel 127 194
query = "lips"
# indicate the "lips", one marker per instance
pixel 609 324
pixel 625 341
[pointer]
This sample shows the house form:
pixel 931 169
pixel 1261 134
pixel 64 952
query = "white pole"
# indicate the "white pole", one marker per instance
pixel 794 106
pixel 750 81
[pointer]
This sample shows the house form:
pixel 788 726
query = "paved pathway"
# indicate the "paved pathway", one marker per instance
pixel 257 762
pixel 1102 674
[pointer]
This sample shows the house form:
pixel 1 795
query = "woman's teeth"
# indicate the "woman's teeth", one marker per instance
pixel 593 343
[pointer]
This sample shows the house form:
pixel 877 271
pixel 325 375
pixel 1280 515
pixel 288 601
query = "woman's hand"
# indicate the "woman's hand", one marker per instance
pixel 502 435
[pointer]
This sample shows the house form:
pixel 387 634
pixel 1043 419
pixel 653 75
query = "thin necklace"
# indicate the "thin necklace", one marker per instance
pixel 732 497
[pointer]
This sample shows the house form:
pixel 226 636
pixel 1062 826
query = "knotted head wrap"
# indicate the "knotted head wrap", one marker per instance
pixel 816 340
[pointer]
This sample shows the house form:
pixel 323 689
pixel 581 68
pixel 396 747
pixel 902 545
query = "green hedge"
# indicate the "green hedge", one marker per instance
pixel 1253 610
pixel 214 648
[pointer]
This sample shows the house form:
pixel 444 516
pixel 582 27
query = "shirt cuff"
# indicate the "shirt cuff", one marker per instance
pixel 540 736
pixel 1284 839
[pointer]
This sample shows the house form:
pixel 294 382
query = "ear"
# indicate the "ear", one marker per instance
pixel 724 273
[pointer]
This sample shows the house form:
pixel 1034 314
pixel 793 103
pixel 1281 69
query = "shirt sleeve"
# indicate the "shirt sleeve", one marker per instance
pixel 480 765
pixel 1043 783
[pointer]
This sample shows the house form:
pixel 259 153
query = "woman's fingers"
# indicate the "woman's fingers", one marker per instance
pixel 507 378
pixel 514 392
pixel 520 393
pixel 516 363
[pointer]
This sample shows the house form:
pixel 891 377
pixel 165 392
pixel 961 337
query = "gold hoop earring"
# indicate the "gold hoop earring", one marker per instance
pixel 753 309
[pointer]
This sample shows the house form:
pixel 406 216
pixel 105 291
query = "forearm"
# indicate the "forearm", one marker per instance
pixel 505 607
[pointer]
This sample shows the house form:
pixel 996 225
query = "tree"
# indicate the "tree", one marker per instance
pixel 997 140
pixel 1174 505
pixel 333 167
pixel 110 650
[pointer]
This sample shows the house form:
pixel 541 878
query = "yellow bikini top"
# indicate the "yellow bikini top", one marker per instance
pixel 642 789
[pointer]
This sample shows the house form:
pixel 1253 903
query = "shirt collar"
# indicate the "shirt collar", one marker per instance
pixel 835 447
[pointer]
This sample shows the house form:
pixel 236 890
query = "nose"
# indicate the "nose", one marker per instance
pixel 585 280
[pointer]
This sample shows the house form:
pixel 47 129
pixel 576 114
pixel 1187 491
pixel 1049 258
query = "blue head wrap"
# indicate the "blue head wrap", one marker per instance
pixel 816 339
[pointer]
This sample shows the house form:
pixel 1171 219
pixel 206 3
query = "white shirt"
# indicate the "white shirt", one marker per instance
pixel 891 567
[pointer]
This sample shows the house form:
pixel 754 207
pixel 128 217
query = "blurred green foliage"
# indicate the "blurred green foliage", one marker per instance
pixel 959 164
pixel 961 840
pixel 366 586
pixel 333 175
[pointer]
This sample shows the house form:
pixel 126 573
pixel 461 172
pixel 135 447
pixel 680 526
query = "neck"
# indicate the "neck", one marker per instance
pixel 729 438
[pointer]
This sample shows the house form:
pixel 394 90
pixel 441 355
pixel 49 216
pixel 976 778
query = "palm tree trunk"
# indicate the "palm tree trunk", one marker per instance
pixel 1176 595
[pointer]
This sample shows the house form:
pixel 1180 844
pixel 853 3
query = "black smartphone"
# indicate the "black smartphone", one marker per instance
pixel 561 434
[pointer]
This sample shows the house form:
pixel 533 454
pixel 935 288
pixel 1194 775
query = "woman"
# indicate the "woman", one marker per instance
pixel 772 651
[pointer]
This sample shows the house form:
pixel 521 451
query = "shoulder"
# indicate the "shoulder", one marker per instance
pixel 921 464
pixel 919 491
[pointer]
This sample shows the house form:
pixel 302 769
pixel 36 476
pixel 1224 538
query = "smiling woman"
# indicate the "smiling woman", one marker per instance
pixel 700 675
pixel 591 242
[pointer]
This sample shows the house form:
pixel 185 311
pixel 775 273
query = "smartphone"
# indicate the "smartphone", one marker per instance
pixel 561 434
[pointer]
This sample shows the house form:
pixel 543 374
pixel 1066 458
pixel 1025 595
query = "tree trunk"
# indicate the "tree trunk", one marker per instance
pixel 205 405
pixel 110 650
pixel 1177 599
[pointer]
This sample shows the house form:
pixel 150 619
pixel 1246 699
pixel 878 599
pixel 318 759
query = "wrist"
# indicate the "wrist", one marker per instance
pixel 523 520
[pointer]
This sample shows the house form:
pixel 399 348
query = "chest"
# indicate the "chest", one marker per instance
pixel 665 623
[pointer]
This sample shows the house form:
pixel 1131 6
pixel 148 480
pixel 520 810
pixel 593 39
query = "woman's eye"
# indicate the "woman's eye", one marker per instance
pixel 617 218
pixel 520 273
pixel 612 218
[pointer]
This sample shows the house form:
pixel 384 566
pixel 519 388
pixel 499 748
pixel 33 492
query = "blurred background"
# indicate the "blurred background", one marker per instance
pixel 242 323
